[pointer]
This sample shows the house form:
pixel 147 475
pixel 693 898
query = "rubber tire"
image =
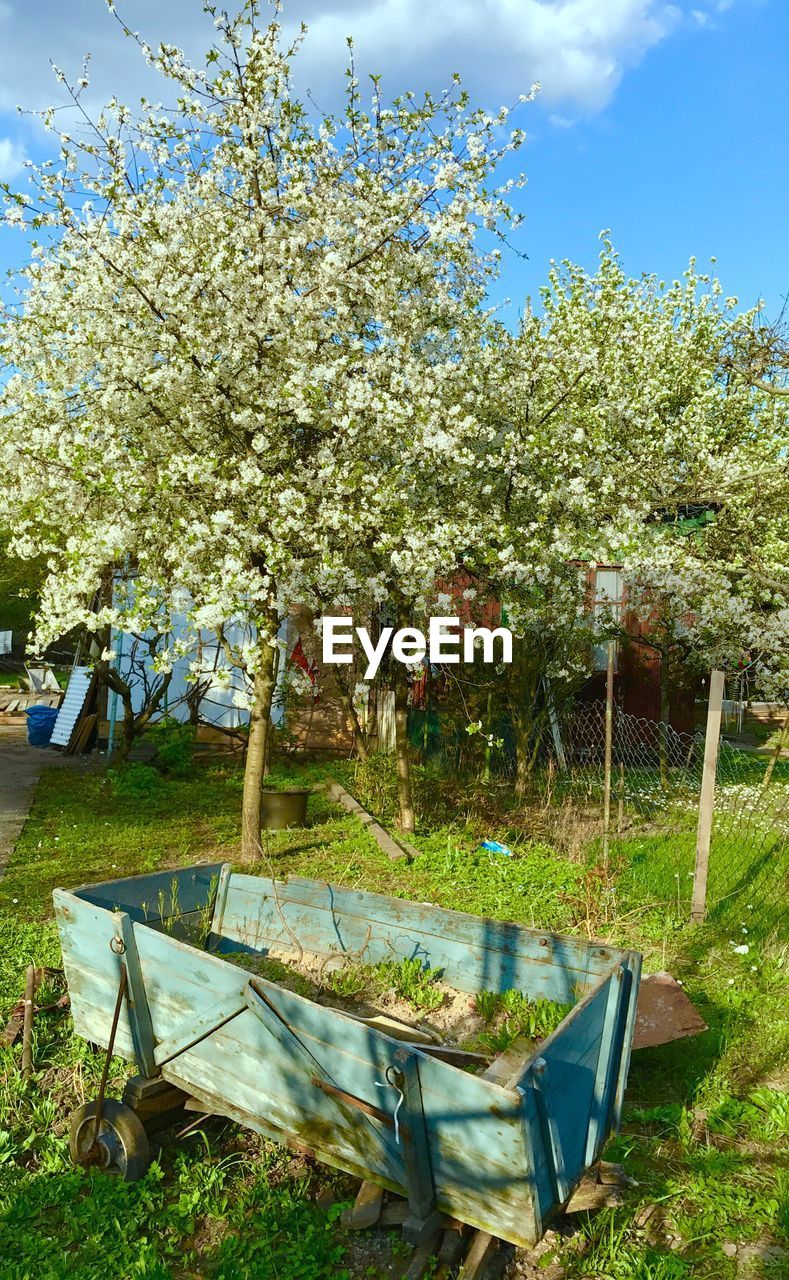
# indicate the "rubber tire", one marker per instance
pixel 125 1128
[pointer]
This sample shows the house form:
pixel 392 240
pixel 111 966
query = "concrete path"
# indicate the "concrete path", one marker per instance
pixel 20 766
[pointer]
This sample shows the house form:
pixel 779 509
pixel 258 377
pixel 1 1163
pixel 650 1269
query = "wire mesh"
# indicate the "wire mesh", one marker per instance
pixel 655 789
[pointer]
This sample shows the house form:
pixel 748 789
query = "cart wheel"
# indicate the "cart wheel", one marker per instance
pixel 122 1144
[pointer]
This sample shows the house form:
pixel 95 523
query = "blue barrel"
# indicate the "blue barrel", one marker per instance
pixel 40 723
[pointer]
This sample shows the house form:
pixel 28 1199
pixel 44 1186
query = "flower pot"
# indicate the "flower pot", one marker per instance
pixel 281 809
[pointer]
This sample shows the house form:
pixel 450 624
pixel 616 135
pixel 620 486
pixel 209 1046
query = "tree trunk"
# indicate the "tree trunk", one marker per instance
pixel 522 727
pixel 779 746
pixel 663 727
pixel 486 773
pixel 527 741
pixel 257 749
pixel 406 820
pixel 359 735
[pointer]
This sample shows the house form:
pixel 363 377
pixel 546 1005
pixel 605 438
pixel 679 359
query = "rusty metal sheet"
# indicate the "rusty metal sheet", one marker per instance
pixel 664 1013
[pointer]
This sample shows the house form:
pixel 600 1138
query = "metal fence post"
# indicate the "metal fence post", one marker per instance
pixel 707 797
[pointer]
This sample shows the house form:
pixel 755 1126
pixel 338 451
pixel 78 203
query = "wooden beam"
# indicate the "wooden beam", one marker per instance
pixel 707 798
pixel 416 1150
pixel 140 1023
pixel 367 1209
pixel 482 1247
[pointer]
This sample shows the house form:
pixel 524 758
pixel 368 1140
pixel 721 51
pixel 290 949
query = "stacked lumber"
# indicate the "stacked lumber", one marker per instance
pixel 15 702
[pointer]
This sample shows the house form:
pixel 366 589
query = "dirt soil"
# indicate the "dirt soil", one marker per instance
pixel 454 1022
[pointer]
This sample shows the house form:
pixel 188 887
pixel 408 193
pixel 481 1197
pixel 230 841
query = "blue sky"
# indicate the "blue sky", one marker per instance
pixel 666 123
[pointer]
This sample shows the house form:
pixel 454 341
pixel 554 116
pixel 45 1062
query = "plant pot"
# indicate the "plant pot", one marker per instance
pixel 281 809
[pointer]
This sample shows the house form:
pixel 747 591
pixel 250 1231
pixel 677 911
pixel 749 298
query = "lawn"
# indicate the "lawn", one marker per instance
pixel 704 1123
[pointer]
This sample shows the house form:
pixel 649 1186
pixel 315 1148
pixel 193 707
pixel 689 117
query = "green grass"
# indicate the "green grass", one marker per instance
pixel 229 1206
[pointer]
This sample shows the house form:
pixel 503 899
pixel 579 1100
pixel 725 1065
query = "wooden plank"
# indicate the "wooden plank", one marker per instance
pixel 394 1213
pixel 415 1138
pixel 390 847
pixel 367 1208
pixel 582 1025
pixel 483 1246
pixel 139 1014
pixel 707 797
pixel 397 1030
pixel 590 1196
pixel 629 1013
pixel 217 1103
pixel 510 1062
pixel 91 970
pixel 215 935
pixel 157 896
pixel 474 953
pixel 263 999
pixel 540 1182
pixel 551 1131
pixel 607 1067
pixel 196 1029
pixel 421 1263
pixel 80 739
pixel 570 1107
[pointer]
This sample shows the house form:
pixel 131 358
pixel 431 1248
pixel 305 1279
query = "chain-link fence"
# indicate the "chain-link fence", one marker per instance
pixel 655 784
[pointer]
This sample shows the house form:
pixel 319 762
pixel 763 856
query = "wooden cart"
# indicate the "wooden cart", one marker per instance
pixel 502 1152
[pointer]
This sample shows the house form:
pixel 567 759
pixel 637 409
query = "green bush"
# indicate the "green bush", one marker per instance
pixel 174 744
pixel 136 781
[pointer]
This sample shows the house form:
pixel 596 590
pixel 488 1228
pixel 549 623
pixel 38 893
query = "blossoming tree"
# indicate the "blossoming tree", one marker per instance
pixel 617 409
pixel 217 351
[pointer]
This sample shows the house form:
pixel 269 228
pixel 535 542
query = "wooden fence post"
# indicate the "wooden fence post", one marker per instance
pixel 707 797
pixel 609 742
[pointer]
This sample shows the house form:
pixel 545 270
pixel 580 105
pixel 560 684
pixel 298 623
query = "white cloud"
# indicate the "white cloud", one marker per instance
pixel 578 49
pixel 12 159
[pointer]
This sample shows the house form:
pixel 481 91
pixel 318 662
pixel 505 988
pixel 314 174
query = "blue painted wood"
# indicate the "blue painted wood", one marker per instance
pixel 137 1009
pixel 92 970
pixel 608 1060
pixel 492 1161
pixel 416 1138
pixel 632 963
pixel 538 1163
pixel 158 896
pixel 261 1077
pixel 220 901
pixel 550 1129
pixel 475 954
pixel 197 1027
pixel 570 1057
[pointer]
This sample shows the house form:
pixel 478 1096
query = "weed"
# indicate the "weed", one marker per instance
pixel 352 980
pixel 534 1018
pixel 174 744
pixel 135 781
pixel 413 981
